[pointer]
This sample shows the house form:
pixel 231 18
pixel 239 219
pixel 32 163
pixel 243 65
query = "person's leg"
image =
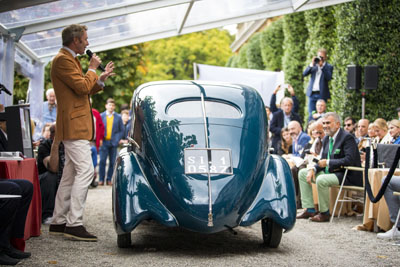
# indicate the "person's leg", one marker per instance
pixel 48 188
pixel 312 101
pixel 103 158
pixel 305 190
pixel 63 196
pixel 8 210
pixel 80 155
pixel 113 155
pixel 393 202
pixel 324 181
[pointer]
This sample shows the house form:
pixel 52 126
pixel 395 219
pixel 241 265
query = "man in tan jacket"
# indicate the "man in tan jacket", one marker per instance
pixel 75 129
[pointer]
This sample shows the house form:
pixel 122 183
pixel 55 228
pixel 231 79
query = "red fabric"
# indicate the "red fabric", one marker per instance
pixel 26 169
pixel 99 127
pixel 18 243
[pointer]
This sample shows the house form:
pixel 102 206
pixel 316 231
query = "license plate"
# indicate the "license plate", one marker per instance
pixel 202 160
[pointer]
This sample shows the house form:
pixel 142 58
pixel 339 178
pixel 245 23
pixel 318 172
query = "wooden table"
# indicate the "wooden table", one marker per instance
pixel 377 214
pixel 26 169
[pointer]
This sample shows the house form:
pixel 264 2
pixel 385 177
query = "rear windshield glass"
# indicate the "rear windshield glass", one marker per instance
pixel 214 109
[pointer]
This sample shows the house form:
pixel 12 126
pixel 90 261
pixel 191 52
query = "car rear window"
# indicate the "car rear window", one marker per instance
pixel 214 109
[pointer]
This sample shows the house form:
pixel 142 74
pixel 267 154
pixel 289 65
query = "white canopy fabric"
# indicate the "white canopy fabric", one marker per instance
pixel 263 81
pixel 35 30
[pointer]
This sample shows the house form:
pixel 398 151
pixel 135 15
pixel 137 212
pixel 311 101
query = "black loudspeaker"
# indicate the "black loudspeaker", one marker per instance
pixel 371 77
pixel 354 77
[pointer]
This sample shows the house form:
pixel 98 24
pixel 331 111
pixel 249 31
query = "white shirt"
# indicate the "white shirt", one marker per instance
pixel 317 78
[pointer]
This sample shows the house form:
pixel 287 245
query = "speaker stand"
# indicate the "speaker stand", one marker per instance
pixel 362 105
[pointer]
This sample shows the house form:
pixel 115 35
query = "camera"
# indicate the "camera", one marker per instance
pixel 317 59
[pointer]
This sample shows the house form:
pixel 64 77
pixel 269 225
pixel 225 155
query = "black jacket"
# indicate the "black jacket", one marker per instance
pixel 344 153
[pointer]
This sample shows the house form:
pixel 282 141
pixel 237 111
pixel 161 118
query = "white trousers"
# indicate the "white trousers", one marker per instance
pixel 77 175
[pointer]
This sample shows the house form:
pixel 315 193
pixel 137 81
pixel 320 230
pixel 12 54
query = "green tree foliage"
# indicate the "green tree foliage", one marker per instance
pixel 173 58
pixel 254 57
pixel 294 56
pixel 368 34
pixel 271 46
pixel 321 25
pixel 242 57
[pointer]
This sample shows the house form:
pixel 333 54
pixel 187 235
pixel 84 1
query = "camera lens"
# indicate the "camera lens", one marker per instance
pixel 316 60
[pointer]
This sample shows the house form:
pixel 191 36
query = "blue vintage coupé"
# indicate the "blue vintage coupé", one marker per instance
pixel 198 159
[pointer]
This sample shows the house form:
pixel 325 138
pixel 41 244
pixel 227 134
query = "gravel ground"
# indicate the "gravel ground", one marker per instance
pixel 308 244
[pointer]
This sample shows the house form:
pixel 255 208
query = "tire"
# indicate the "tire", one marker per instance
pixel 272 233
pixel 124 240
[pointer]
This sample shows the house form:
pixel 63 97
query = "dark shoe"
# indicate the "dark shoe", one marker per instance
pixel 101 183
pixel 79 233
pixel 94 184
pixel 57 229
pixel 7 260
pixel 109 183
pixel 321 217
pixel 305 215
pixel 15 253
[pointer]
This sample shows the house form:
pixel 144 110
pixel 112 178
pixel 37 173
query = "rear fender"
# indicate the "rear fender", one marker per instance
pixel 133 198
pixel 276 198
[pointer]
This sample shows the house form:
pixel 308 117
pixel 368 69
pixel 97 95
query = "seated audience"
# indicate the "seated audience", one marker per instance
pixel 311 150
pixel 372 130
pixel 281 119
pixel 394 131
pixel 362 129
pixel 50 162
pixel 393 203
pixel 13 213
pixel 382 131
pixel 285 143
pixel 350 125
pixel 320 107
pixel 299 138
pixel 339 150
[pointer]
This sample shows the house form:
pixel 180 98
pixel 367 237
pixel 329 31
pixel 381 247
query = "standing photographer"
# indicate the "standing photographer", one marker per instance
pixel 321 74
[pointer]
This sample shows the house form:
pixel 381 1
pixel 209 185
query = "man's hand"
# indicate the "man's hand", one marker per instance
pixel 277 89
pixel 322 163
pixel 109 72
pixel 290 90
pixel 94 62
pixel 310 176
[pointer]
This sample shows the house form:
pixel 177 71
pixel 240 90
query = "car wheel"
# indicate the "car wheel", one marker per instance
pixel 272 233
pixel 124 240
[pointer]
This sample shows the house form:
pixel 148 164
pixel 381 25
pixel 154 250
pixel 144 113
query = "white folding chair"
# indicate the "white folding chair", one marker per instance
pixel 346 189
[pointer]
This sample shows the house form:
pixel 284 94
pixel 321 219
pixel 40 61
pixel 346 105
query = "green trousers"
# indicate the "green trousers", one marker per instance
pixel 323 182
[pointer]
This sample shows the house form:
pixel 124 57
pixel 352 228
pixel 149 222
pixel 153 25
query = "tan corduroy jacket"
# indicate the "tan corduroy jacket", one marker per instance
pixel 72 88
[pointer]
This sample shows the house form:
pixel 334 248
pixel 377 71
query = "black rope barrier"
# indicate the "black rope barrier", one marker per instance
pixel 387 179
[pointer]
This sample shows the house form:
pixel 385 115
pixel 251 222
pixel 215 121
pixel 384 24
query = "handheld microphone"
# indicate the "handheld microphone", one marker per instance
pixel 90 54
pixel 3 88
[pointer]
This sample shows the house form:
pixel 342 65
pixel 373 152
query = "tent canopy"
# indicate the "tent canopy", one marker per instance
pixel 117 23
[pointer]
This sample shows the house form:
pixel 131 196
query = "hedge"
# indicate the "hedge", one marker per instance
pixel 271 46
pixel 254 57
pixel 373 39
pixel 295 36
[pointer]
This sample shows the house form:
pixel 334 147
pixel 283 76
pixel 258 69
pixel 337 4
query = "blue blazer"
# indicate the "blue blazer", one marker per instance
pixel 117 128
pixel 301 143
pixel 344 153
pixel 326 76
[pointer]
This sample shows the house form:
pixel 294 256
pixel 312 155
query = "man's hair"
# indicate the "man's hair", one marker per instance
pixel 350 119
pixel 110 100
pixel 288 99
pixel 71 32
pixel 322 50
pixel 48 91
pixel 334 115
pixel 321 101
pixel 125 111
